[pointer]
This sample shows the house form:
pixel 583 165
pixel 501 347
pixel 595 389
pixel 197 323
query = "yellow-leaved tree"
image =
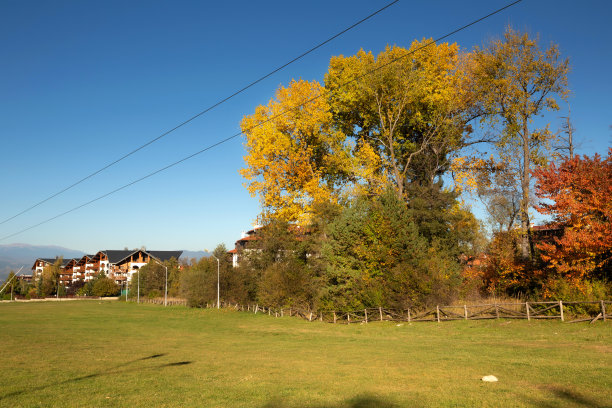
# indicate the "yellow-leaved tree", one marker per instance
pixel 295 158
pixel 407 110
pixel 515 81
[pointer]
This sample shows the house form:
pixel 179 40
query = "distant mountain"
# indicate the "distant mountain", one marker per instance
pixel 194 254
pixel 14 256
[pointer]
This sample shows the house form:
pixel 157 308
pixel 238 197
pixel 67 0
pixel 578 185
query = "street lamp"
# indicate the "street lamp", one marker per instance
pixel 166 289
pixel 211 254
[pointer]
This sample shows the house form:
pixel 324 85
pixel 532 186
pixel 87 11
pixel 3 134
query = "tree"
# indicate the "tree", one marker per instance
pixel 515 82
pixel 198 283
pixel 153 278
pixel 494 184
pixel 407 111
pixel 376 256
pixel 49 279
pixel 104 286
pixel 10 285
pixel 578 194
pixel 294 156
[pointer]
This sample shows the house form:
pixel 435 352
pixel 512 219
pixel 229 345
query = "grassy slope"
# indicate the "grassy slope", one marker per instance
pixel 101 354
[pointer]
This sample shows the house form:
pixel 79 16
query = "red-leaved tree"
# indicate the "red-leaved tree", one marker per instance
pixel 578 195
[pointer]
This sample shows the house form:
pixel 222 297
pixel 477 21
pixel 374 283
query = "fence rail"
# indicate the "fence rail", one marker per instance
pixel 160 301
pixel 526 310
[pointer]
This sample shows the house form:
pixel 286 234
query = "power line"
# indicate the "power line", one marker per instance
pixel 264 122
pixel 202 112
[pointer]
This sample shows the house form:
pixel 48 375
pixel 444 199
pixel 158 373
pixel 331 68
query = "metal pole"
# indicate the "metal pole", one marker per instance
pixel 166 292
pixel 217 282
pixel 166 288
pixel 218 297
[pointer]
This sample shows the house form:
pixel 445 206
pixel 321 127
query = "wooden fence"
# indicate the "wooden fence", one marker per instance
pixel 160 301
pixel 589 311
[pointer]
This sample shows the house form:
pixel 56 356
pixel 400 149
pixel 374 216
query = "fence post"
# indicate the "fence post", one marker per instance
pixel 380 311
pixel 289 312
pixel 527 309
pixel 603 309
pixel 408 315
pixel 438 313
pixel 496 311
pixel 334 317
pixel 310 317
pixel 561 310
pixel 268 311
pixel 366 315
pixel 256 308
pixel 348 317
pixel 282 313
pixel 321 316
pixel 465 314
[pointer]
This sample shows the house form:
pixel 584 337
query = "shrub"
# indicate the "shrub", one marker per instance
pixel 105 287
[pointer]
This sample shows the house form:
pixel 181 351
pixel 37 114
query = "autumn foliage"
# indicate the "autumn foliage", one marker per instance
pixel 395 124
pixel 577 193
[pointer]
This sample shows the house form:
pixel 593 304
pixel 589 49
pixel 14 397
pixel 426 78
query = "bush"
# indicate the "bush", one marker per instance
pixel 588 291
pixel 198 285
pixel 154 293
pixel 105 287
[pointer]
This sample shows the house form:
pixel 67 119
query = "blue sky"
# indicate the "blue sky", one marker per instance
pixel 82 83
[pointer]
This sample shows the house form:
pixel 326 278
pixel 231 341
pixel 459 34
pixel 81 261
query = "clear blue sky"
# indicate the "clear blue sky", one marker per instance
pixel 82 83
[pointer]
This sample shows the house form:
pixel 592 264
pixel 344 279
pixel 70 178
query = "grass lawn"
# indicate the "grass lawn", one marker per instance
pixel 99 354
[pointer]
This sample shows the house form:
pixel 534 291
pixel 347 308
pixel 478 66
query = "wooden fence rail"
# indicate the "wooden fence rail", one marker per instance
pixel 527 310
pixel 160 301
pixel 589 311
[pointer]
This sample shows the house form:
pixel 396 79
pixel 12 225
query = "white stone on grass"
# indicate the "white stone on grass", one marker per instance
pixel 489 378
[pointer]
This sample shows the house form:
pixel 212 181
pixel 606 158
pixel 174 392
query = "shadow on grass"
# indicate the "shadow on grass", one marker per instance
pixel 362 401
pixel 111 371
pixel 565 397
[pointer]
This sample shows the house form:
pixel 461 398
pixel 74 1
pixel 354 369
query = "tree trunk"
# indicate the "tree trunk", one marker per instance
pixel 525 233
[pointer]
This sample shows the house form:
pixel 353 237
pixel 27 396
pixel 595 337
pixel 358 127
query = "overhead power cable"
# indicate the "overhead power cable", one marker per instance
pixel 265 121
pixel 208 109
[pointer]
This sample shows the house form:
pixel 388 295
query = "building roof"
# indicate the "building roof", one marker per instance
pixel 545 228
pixel 84 259
pixel 165 255
pixel 248 238
pixel 51 261
pixel 115 256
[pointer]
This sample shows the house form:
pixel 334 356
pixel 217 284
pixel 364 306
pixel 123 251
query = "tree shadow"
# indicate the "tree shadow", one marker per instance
pixel 361 401
pixel 111 371
pixel 564 397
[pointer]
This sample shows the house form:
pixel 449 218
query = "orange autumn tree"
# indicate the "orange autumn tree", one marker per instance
pixel 578 195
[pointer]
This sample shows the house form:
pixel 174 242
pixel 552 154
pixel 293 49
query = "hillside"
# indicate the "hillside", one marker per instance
pixel 14 256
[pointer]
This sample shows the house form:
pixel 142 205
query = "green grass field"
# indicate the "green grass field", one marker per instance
pixel 99 354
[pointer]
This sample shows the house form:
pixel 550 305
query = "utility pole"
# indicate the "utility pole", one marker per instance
pixel 166 288
pixel 218 285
